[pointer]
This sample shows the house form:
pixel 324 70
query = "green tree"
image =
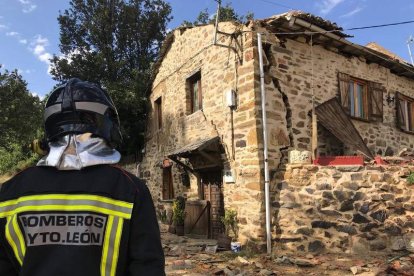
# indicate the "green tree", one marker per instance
pixel 227 13
pixel 114 43
pixel 20 119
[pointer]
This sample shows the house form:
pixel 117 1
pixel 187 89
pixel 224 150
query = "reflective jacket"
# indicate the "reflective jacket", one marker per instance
pixel 96 221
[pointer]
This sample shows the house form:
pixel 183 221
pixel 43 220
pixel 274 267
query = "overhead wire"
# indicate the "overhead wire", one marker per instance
pixel 277 4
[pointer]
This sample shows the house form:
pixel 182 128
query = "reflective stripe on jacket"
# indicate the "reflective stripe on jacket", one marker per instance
pixel 97 221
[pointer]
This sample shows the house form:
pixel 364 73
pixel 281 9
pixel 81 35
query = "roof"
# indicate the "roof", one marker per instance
pixel 327 25
pixel 296 23
pixel 330 35
pixel 196 146
pixel 375 46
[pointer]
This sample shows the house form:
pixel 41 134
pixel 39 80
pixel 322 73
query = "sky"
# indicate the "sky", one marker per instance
pixel 29 31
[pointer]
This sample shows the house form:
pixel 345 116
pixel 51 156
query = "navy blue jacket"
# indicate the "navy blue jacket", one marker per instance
pixel 96 221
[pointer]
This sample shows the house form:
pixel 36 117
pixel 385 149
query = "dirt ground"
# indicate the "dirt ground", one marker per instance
pixel 186 256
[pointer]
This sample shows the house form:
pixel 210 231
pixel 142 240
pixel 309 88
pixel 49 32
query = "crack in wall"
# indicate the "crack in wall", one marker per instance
pixel 284 151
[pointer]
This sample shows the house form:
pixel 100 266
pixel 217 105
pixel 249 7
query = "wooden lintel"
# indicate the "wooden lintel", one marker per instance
pixel 175 159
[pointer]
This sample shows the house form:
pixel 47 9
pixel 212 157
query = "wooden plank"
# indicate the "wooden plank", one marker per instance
pixel 314 136
pixel 197 218
pixel 333 117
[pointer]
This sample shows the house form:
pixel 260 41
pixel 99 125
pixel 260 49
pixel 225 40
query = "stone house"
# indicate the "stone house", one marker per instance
pixel 204 137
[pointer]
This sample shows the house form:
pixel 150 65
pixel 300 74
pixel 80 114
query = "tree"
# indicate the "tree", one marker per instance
pixel 114 43
pixel 227 13
pixel 21 119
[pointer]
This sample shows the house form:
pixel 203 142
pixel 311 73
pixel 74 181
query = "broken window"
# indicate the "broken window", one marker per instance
pixel 361 99
pixel 167 183
pixel 405 112
pixel 158 113
pixel 196 95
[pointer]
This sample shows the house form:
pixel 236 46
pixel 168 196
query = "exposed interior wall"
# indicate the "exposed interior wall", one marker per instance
pixel 345 209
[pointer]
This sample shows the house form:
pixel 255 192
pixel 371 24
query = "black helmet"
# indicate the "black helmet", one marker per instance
pixel 80 107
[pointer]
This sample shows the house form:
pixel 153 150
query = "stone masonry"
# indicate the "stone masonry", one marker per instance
pixel 295 72
pixel 344 209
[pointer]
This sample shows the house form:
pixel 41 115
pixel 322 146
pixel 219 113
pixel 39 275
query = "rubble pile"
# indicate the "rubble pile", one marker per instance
pixel 196 257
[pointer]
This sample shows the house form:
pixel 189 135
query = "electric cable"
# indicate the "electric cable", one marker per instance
pixel 276 4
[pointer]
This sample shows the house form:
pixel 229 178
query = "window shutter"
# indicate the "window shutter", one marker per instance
pixel 376 93
pixel 343 80
pixel 401 116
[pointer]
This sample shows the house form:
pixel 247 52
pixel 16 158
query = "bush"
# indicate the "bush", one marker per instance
pixel 230 222
pixel 15 159
pixel 410 178
pixel 178 210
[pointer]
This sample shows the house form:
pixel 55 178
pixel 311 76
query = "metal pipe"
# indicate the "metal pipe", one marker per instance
pixel 265 151
pixel 410 41
pixel 217 21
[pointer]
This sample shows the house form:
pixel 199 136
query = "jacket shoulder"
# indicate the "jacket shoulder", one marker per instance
pixel 129 176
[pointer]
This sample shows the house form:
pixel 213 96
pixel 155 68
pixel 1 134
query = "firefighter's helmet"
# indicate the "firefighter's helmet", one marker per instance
pixel 80 107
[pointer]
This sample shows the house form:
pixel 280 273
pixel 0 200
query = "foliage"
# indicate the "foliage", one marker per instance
pixel 227 13
pixel 178 209
pixel 410 178
pixel 230 221
pixel 16 159
pixel 20 123
pixel 162 215
pixel 114 43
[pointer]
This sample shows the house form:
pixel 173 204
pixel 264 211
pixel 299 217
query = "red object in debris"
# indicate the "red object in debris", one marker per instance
pixel 338 160
pixel 380 161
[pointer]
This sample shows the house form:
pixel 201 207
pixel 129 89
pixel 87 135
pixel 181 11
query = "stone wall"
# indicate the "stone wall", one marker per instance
pixel 221 69
pixel 296 72
pixel 344 209
pixel 292 74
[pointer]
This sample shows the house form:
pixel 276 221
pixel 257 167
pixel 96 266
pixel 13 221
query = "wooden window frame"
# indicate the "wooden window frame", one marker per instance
pixel 365 97
pixel 196 102
pixel 158 113
pixel 167 188
pixel 410 111
pixel 372 105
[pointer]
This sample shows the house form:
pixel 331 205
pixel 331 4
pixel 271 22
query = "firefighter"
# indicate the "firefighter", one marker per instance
pixel 76 213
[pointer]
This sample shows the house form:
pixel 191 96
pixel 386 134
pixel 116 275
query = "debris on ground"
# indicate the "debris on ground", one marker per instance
pixel 196 257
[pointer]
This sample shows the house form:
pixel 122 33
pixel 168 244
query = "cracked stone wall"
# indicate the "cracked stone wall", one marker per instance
pixel 291 74
pixel 297 71
pixel 221 69
pixel 344 209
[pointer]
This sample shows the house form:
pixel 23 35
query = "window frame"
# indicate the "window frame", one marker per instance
pixel 365 98
pixel 196 102
pixel 410 112
pixel 372 98
pixel 158 113
pixel 167 177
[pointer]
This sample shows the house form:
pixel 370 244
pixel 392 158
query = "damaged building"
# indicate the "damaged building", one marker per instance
pixel 204 138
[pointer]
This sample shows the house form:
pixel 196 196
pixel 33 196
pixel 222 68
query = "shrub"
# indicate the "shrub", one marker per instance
pixel 410 178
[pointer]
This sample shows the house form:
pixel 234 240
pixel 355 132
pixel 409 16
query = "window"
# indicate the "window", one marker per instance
pixel 196 95
pixel 167 183
pixel 158 113
pixel 361 99
pixel 405 113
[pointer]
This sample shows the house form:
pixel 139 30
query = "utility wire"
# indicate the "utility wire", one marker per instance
pixel 382 25
pixel 341 30
pixel 276 4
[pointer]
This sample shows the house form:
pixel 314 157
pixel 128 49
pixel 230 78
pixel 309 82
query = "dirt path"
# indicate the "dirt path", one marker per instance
pixel 186 256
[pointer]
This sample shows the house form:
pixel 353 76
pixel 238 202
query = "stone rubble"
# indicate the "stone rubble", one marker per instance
pixel 187 256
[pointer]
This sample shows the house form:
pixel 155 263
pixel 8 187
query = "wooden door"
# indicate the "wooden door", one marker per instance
pixel 197 219
pixel 212 183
